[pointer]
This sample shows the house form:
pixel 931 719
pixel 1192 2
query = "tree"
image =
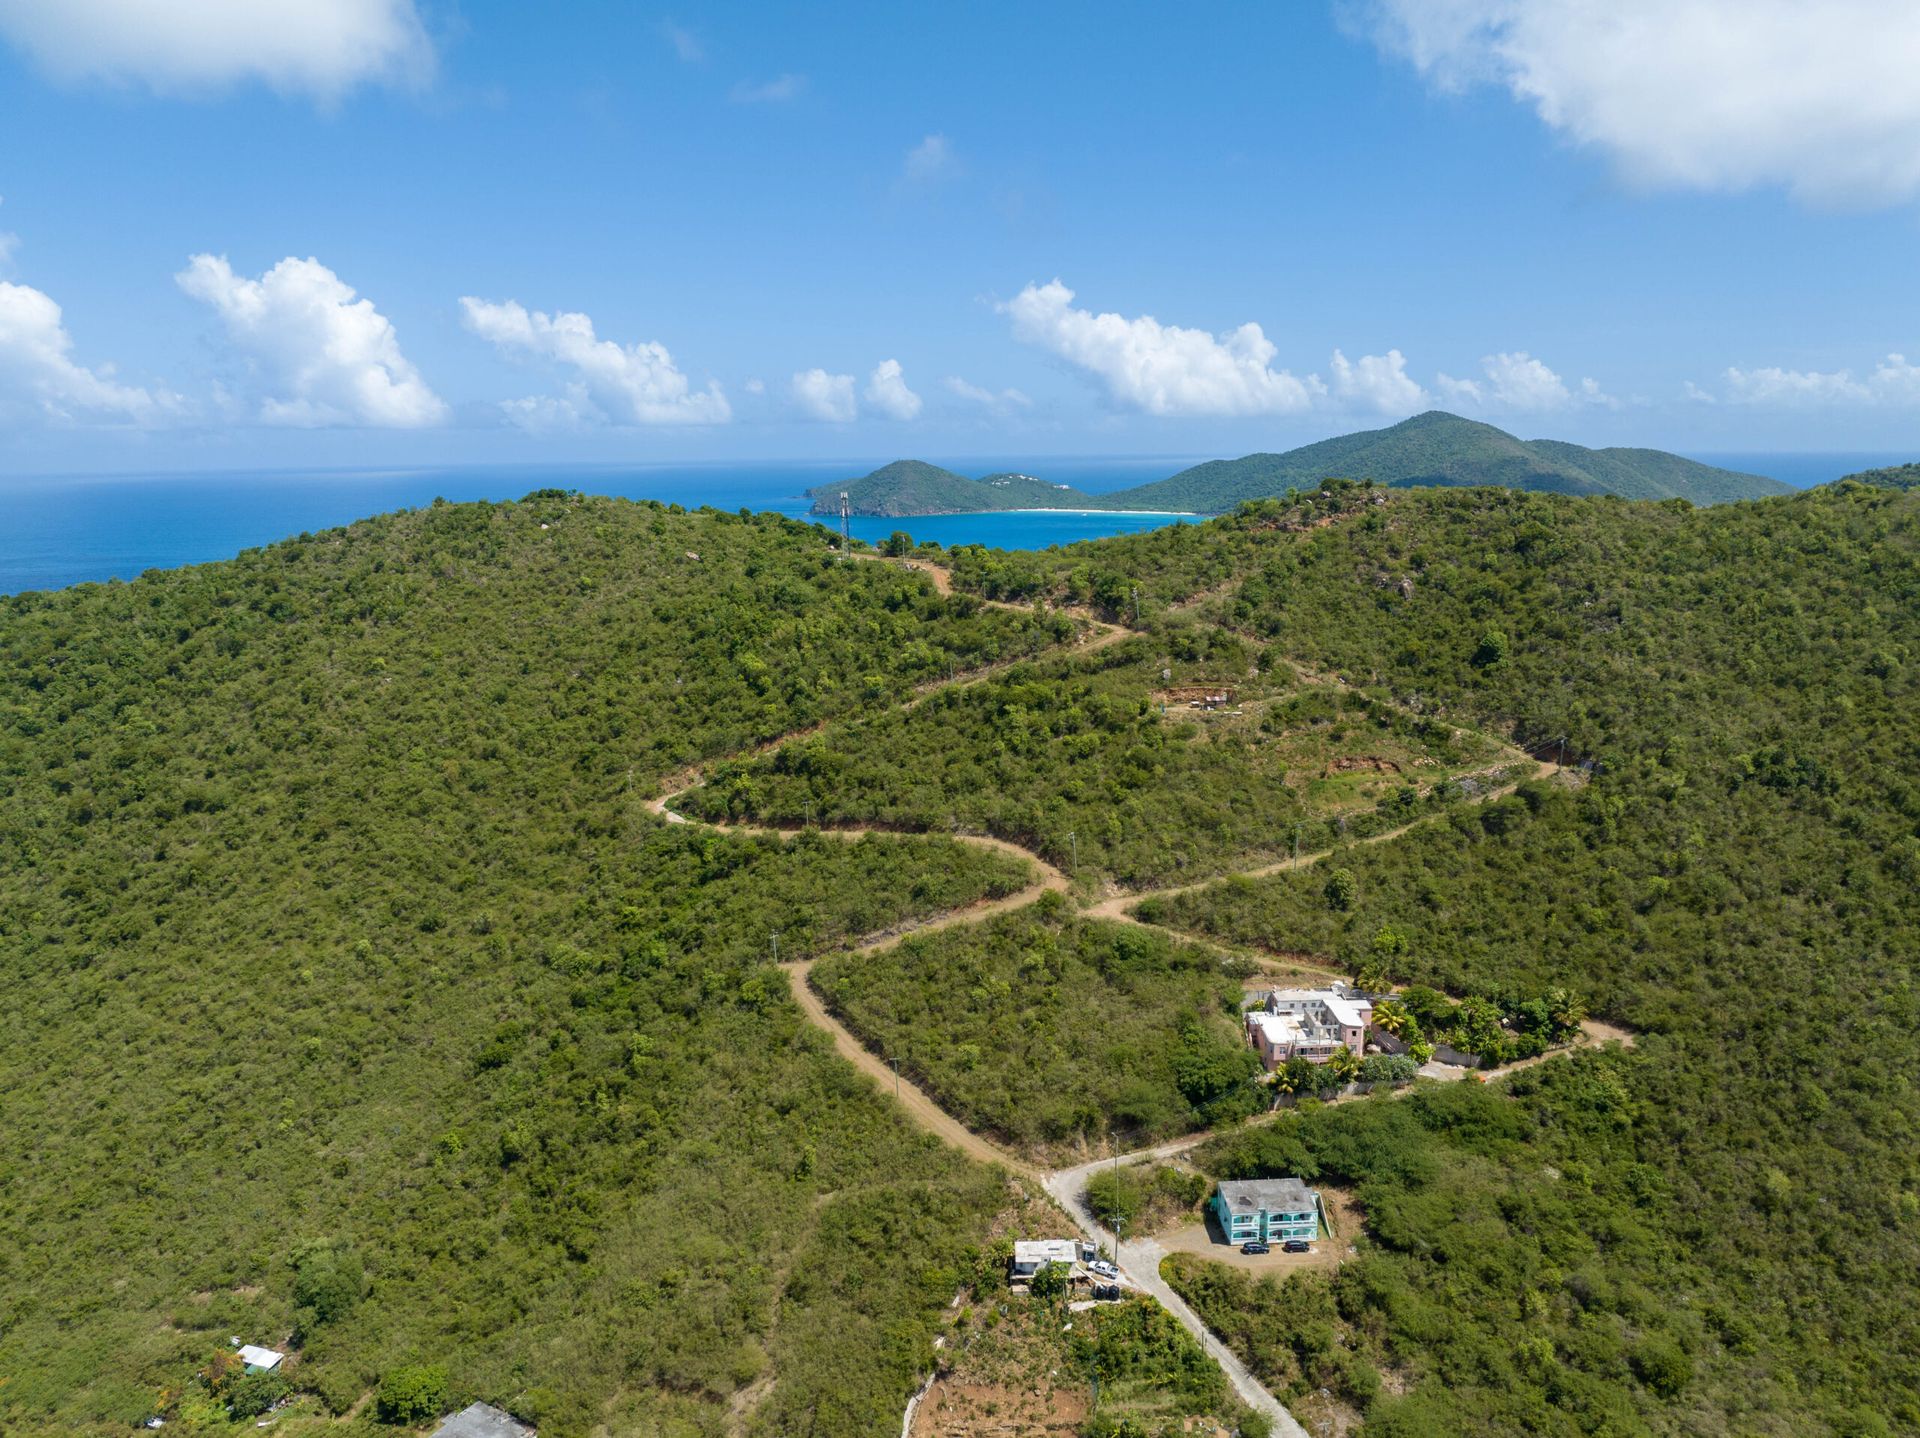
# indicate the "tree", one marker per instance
pixel 254 1394
pixel 1565 1010
pixel 411 1395
pixel 1342 889
pixel 898 544
pixel 1491 651
pixel 1343 1064
pixel 327 1281
pixel 1049 1280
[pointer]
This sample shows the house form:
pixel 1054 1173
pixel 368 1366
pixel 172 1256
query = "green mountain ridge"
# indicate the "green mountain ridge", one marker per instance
pixel 1437 449
pixel 910 487
pixel 1434 449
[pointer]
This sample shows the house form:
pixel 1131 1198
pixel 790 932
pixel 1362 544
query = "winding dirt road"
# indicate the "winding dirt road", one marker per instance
pixel 1138 1260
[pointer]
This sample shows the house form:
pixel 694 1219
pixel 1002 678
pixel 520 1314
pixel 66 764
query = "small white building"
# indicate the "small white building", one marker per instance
pixel 260 1360
pixel 1310 1024
pixel 1030 1255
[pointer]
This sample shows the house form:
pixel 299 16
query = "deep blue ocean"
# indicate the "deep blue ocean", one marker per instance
pixel 61 530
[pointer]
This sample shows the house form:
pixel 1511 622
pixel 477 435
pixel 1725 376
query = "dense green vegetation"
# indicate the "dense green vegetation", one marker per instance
pixel 1442 449
pixel 1142 1198
pixel 911 486
pixel 1087 762
pixel 362 1004
pixel 359 1003
pixel 1739 881
pixel 1898 476
pixel 1043 1029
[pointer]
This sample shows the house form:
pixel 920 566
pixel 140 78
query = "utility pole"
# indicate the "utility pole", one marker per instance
pixel 776 946
pixel 1073 839
pixel 1136 606
pixel 846 539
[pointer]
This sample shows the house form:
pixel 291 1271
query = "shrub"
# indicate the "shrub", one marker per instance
pixel 412 1394
pixel 254 1394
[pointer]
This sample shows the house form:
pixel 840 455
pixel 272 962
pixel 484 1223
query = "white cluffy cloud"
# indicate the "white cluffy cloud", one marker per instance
pixel 318 46
pixel 327 356
pixel 36 363
pixel 1161 369
pixel 769 92
pixel 929 160
pixel 1004 402
pixel 1517 383
pixel 887 391
pixel 1893 382
pixel 1377 382
pixel 825 397
pixel 1696 94
pixel 631 384
pixel 685 43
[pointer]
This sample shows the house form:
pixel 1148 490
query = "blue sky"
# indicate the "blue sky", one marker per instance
pixel 383 232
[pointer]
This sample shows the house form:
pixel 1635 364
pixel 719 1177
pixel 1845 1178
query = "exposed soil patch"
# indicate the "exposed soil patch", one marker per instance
pixel 986 1410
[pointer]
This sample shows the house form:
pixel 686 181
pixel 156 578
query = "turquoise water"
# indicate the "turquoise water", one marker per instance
pixel 64 530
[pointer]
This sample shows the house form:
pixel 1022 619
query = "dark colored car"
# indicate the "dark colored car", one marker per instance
pixel 1296 1245
pixel 1254 1246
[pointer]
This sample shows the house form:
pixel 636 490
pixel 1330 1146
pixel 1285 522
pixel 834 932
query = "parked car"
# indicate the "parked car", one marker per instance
pixel 1102 1269
pixel 1296 1245
pixel 1254 1245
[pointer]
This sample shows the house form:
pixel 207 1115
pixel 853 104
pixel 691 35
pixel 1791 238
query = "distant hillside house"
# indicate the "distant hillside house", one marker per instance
pixel 483 1420
pixel 1310 1024
pixel 1267 1210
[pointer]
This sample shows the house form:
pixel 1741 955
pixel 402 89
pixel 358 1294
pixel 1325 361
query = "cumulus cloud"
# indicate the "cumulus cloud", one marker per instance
pixel 329 356
pixel 887 391
pixel 1377 382
pixel 1161 369
pixel 1004 401
pixel 929 160
pixel 1893 382
pixel 37 364
pixel 1517 383
pixel 823 396
pixel 685 43
pixel 769 92
pixel 631 384
pixel 1695 94
pixel 321 47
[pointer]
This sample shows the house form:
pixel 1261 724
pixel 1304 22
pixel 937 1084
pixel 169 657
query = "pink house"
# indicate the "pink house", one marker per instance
pixel 1310 1024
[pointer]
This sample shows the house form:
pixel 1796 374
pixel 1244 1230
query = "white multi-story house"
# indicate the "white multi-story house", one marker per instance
pixel 1310 1024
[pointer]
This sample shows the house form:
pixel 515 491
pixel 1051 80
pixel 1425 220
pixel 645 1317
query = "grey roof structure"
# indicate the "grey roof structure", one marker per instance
pixel 1267 1195
pixel 483 1420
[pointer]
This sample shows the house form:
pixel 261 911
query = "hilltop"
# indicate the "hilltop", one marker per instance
pixel 1440 449
pixel 1432 449
pixel 1898 476
pixel 909 487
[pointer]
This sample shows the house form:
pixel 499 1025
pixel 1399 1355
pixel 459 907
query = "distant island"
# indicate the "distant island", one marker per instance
pixel 1432 449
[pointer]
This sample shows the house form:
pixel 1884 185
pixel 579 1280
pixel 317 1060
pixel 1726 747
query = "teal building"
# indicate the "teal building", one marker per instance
pixel 1267 1210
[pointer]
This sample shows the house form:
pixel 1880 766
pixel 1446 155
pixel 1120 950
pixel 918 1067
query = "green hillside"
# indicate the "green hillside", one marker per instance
pixel 909 487
pixel 1899 476
pixel 1443 449
pixel 336 936
pixel 1710 1234
pixel 362 1005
